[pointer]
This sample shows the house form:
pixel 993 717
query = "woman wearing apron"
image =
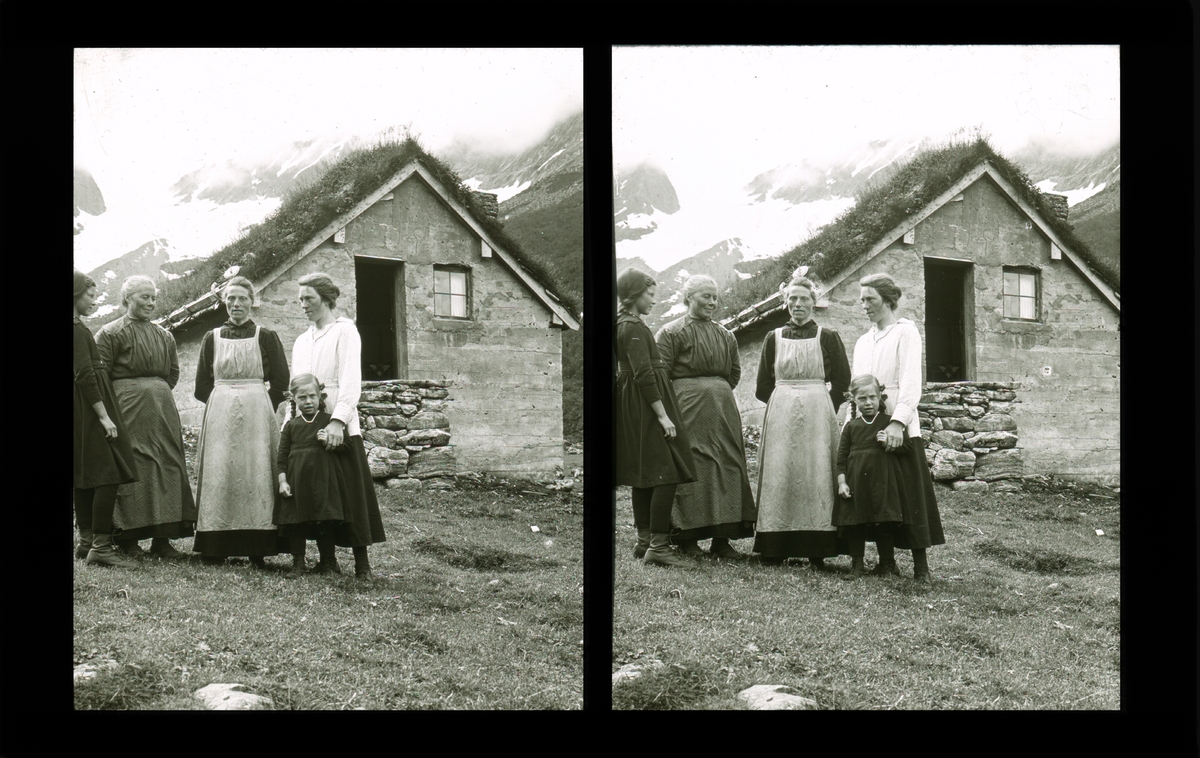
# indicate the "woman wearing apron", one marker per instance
pixel 240 437
pixel 797 458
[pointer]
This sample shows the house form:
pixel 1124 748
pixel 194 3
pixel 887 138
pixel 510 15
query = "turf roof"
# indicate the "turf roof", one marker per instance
pixel 309 208
pixel 879 208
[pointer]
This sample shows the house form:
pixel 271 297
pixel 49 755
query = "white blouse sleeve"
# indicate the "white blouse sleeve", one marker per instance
pixel 349 371
pixel 908 373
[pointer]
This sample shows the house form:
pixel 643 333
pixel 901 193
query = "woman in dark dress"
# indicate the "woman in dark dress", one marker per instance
pixel 702 359
pixel 103 458
pixel 653 453
pixel 797 457
pixel 239 439
pixel 144 366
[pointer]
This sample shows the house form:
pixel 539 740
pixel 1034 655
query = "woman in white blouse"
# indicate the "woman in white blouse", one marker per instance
pixel 332 350
pixel 891 351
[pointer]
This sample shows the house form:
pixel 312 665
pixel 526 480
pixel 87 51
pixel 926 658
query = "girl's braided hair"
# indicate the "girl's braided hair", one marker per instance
pixel 863 380
pixel 306 380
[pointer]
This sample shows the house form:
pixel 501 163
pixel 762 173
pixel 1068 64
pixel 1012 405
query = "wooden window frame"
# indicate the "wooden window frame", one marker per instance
pixel 1036 275
pixel 465 295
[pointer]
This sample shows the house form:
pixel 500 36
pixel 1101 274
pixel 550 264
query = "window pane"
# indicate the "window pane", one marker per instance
pixel 1010 307
pixel 458 283
pixel 441 305
pixel 1027 304
pixel 1027 286
pixel 441 281
pixel 1010 283
pixel 458 305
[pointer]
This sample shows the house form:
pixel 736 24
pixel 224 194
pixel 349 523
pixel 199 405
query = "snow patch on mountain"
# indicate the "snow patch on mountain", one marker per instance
pixel 1073 196
pixel 552 157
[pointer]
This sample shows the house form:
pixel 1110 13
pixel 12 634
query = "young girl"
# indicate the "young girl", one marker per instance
pixel 869 478
pixel 310 479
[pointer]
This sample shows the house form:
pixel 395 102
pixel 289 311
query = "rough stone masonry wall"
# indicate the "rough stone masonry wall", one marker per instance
pixel 970 434
pixel 406 432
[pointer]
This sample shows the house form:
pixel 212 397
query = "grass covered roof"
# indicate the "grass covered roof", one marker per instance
pixel 309 208
pixel 881 206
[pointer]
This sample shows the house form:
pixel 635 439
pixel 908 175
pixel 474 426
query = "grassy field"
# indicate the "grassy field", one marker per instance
pixel 469 609
pixel 1024 613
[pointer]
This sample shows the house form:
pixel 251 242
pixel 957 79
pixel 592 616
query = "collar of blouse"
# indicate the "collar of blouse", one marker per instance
pixel 792 322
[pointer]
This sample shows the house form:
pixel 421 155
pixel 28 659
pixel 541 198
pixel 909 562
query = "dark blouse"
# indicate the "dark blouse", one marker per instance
pixel 837 367
pixel 637 353
pixel 699 347
pixel 87 363
pixel 135 348
pixel 275 366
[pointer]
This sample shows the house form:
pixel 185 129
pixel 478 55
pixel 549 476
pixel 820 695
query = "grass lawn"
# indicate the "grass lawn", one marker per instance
pixel 470 608
pixel 1024 613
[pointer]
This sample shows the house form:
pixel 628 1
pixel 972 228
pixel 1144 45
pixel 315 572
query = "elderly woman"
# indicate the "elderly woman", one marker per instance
pixel 891 351
pixel 144 366
pixel 103 458
pixel 239 440
pixel 702 360
pixel 332 351
pixel 797 457
pixel 652 451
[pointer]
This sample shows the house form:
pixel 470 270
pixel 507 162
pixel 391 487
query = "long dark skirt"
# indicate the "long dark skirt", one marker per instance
pixel 643 456
pixel 923 523
pixel 363 525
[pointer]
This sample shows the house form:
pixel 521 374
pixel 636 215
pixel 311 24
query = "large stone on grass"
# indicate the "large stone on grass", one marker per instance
pixel 631 671
pixel 995 439
pixel 946 438
pixel 435 461
pixel 1008 485
pixel 1001 464
pixel 775 697
pixel 429 420
pixel 970 485
pixel 379 437
pixel 403 484
pixel 439 483
pixel 391 422
pixel 425 437
pixel 965 424
pixel 952 464
pixel 385 462
pixel 231 697
pixel 996 422
pixel 943 410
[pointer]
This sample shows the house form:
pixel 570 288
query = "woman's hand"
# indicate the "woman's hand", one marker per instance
pixel 110 429
pixel 895 436
pixel 668 426
pixel 334 434
pixel 843 488
pixel 285 489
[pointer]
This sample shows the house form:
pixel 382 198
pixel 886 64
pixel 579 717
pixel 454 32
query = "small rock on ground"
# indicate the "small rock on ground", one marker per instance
pixel 631 671
pixel 88 670
pixel 231 697
pixel 775 697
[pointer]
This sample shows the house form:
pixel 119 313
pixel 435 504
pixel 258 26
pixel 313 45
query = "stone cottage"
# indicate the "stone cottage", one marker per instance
pixel 1008 300
pixel 438 291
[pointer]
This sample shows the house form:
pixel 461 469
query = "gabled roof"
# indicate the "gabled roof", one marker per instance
pixel 886 213
pixel 315 213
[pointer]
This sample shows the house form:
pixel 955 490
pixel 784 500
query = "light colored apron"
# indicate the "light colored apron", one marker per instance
pixel 238 442
pixel 798 453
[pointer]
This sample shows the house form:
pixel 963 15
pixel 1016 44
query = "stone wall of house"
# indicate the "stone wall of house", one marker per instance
pixel 970 434
pixel 1068 363
pixel 407 433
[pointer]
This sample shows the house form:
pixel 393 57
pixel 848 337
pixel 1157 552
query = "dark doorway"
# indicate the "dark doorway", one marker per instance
pixel 949 321
pixel 380 289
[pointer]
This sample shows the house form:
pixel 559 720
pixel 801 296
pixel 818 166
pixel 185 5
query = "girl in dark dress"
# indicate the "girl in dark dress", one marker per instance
pixel 310 478
pixel 653 453
pixel 869 477
pixel 103 458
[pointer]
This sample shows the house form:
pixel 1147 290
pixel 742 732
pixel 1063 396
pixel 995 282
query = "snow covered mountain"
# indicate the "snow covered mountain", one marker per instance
pixel 1072 174
pixel 506 175
pixel 724 262
pixel 146 260
pixel 639 196
pixel 88 197
pixel 237 180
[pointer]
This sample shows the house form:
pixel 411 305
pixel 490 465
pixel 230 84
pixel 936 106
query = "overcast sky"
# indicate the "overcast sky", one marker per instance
pixel 725 114
pixel 152 115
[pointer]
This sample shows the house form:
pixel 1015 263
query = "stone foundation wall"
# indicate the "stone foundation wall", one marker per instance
pixel 970 434
pixel 406 432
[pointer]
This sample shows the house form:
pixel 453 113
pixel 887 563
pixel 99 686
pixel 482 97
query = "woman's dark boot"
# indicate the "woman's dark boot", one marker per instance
pixel 130 548
pixel 921 566
pixel 690 549
pixel 362 565
pixel 104 554
pixel 257 561
pixel 817 564
pixel 328 563
pixel 161 548
pixel 643 542
pixel 85 544
pixel 720 548
pixel 857 568
pixel 660 554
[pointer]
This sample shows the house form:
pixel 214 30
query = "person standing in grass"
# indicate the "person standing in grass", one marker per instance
pixel 701 357
pixel 331 350
pixel 144 365
pixel 891 351
pixel 653 453
pixel 102 456
pixel 310 479
pixel 869 477
pixel 239 439
pixel 797 456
